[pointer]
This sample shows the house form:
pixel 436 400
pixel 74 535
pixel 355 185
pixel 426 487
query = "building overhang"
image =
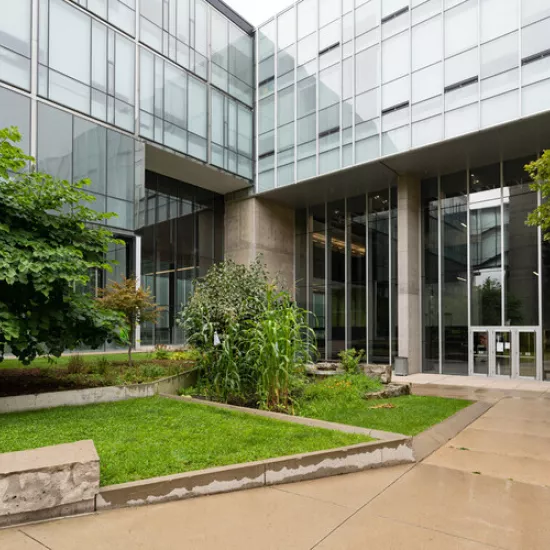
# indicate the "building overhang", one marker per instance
pixel 508 141
pixel 183 168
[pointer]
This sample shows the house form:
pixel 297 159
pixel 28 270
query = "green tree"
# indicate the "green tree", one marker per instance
pixel 47 251
pixel 135 303
pixel 539 171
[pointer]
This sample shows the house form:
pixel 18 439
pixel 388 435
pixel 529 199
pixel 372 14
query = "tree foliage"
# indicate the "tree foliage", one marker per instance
pixel 47 251
pixel 539 171
pixel 134 302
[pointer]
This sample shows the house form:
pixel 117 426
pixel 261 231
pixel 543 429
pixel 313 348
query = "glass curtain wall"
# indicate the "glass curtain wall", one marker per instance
pixel 182 236
pixel 346 269
pixel 480 261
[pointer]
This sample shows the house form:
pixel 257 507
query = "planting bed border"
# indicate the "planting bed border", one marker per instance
pixel 90 396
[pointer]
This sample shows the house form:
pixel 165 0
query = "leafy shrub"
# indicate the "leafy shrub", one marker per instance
pixel 350 360
pixel 102 366
pixel 76 364
pixel 161 352
pixel 185 355
pixel 342 388
pixel 152 371
pixel 252 342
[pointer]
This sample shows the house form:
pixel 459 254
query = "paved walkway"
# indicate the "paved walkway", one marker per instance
pixel 488 488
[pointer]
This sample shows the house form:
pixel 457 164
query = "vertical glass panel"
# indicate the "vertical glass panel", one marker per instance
pixel 430 291
pixel 481 352
pixel 527 354
pixel 16 111
pixel 124 69
pixel 90 154
pixel 533 10
pixel 454 276
pixel 307 17
pixel 198 109
pixel 285 108
pixel 367 17
pixel 461 28
pixel 357 281
pixel 461 121
pixel 337 251
pixel 545 262
pixel 503 353
pixel 15 26
pixel 330 86
pixel 427 83
pixel 286 29
pixel 536 98
pixel 317 243
pixel 120 166
pixel 378 250
pixel 267 114
pixel 396 59
pixel 498 17
pixel 427 43
pixel 500 109
pixel 500 55
pixel 69 26
pixel 536 38
pixel 367 69
pixel 520 254
pixel 55 142
pixel 266 40
pixel 329 10
pixel 486 246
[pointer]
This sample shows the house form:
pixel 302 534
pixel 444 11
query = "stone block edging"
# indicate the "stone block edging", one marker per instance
pixel 89 396
pixel 262 473
pixel 389 449
pixel 48 482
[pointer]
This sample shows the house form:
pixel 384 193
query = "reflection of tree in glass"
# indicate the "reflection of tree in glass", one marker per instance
pixel 490 293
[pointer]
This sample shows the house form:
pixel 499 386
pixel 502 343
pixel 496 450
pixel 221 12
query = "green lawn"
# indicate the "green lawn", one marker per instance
pixel 44 362
pixel 144 438
pixel 339 399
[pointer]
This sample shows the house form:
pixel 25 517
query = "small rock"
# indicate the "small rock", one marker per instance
pixel 391 390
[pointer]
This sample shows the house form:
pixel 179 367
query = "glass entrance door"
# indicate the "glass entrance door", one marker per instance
pixel 509 352
pixel 502 353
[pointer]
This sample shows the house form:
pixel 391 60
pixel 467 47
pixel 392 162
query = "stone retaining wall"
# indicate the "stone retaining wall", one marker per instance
pixel 49 482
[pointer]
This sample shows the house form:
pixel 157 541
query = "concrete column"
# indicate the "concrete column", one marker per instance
pixel 408 268
pixel 259 226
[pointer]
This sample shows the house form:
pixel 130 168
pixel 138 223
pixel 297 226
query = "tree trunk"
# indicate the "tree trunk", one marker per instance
pixel 131 343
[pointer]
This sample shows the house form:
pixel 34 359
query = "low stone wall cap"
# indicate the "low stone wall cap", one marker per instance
pixel 48 457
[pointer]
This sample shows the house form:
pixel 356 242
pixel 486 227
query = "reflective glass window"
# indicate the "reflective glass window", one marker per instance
pixel 367 70
pixel 536 38
pixel 500 55
pixel 329 10
pixel 307 17
pixel 461 28
pixel 330 85
pixel 15 42
pixel 498 17
pixel 286 29
pixel 396 59
pixel 427 43
pixel 427 83
pixel 534 10
pixel 16 111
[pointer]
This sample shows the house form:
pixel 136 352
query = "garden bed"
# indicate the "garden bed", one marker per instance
pixel 89 371
pixel 145 438
pixel 346 399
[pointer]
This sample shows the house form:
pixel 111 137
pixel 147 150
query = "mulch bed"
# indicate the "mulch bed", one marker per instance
pixel 29 381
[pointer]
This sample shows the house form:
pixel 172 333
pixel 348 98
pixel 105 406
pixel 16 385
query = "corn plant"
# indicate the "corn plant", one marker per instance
pixel 280 343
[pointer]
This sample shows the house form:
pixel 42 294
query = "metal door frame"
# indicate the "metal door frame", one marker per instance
pixel 515 355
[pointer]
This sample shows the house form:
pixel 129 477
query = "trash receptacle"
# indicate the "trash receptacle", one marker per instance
pixel 401 366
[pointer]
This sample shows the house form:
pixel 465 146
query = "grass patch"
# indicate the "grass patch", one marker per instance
pixel 144 438
pixel 340 399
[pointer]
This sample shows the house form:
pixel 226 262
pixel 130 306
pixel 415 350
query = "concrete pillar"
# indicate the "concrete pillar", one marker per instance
pixel 408 268
pixel 259 226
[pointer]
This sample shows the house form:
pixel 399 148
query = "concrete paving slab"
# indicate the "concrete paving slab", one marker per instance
pixel 15 540
pixel 352 491
pixel 259 518
pixel 491 511
pixel 529 409
pixel 362 532
pixel 540 428
pixel 523 469
pixel 519 445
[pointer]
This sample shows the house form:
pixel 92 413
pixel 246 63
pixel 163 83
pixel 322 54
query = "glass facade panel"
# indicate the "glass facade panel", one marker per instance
pixel 454 273
pixel 71 148
pixel 15 43
pixel 461 27
pixel 16 111
pixel 493 25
